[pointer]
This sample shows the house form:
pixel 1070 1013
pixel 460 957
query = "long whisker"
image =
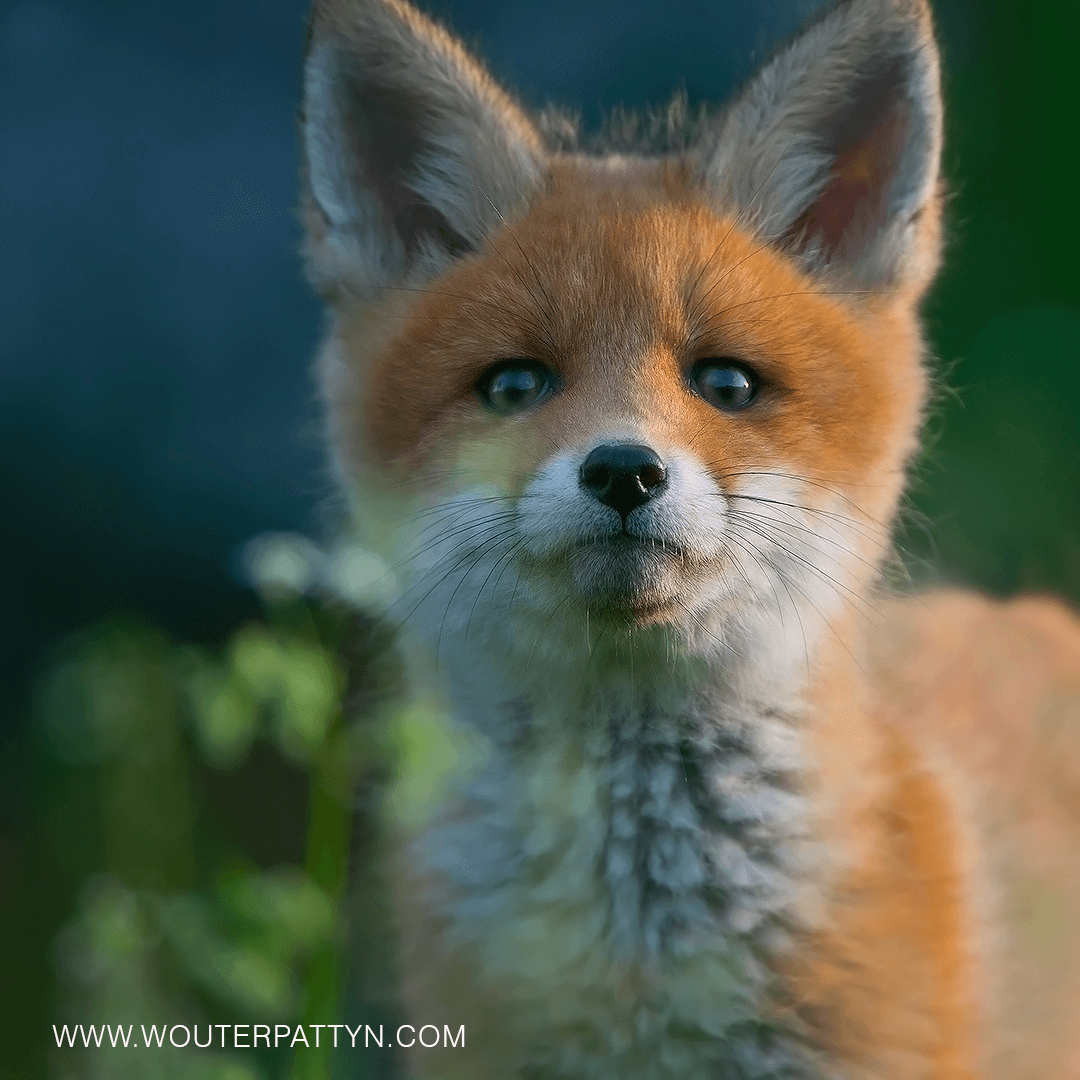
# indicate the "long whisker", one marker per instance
pixel 442 577
pixel 522 312
pixel 702 330
pixel 502 560
pixel 731 556
pixel 513 236
pixel 786 581
pixel 839 586
pixel 833 520
pixel 592 653
pixel 818 481
pixel 758 556
pixel 543 629
pixel 486 548
pixel 475 528
pixel 697 620
pixel 789 523
pixel 838 524
pixel 827 621
pixel 453 509
pixel 471 501
pixel 446 530
pixel 696 313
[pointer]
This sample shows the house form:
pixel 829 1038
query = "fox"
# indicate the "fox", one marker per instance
pixel 632 417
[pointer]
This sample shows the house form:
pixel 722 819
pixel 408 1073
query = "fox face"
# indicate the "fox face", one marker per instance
pixel 646 390
pixel 646 417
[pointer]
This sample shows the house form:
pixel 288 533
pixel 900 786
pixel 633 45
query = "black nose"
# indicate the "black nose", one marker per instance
pixel 623 477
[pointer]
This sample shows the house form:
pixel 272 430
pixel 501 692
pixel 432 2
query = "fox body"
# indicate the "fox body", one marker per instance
pixel 633 427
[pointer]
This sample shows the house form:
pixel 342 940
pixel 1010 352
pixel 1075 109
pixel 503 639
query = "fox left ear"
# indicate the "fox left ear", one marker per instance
pixel 833 148
pixel 411 153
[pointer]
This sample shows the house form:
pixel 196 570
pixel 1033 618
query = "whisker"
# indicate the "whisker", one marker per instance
pixel 527 317
pixel 696 313
pixel 484 549
pixel 502 559
pixel 592 652
pixel 757 555
pixel 759 519
pixel 417 545
pixel 513 236
pixel 696 619
pixel 846 522
pixel 477 528
pixel 443 577
pixel 427 291
pixel 472 500
pixel 816 481
pixel 453 508
pixel 702 330
pixel 543 629
pixel 739 567
pixel 765 535
pixel 827 621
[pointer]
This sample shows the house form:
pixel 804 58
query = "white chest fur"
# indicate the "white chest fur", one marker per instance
pixel 621 867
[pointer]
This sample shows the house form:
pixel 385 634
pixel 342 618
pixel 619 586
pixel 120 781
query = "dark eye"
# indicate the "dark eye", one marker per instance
pixel 514 385
pixel 724 384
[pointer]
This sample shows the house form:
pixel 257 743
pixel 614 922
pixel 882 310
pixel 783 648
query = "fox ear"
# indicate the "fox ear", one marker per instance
pixel 833 148
pixel 408 148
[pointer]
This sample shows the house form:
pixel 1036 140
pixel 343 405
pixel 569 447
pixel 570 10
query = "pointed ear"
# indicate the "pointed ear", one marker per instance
pixel 833 148
pixel 408 148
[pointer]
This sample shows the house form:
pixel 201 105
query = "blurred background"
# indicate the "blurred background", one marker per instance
pixel 166 728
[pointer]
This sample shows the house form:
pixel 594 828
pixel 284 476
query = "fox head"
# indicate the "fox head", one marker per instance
pixel 671 390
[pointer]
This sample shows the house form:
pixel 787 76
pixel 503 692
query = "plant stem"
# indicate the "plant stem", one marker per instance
pixel 327 866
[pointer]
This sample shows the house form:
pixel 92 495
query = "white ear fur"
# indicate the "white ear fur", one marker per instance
pixel 833 147
pixel 409 148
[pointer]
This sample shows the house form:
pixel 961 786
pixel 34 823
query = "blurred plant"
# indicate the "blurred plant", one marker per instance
pixel 241 945
pixel 119 959
pixel 148 944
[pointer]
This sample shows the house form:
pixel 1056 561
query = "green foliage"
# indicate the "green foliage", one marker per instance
pixel 111 961
pixel 153 942
pixel 271 683
pixel 429 750
pixel 241 945
pixel 1000 483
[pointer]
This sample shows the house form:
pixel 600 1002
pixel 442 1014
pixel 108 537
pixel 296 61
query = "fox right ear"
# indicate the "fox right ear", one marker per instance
pixel 833 148
pixel 411 153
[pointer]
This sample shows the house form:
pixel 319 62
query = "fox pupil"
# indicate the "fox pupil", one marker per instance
pixel 723 384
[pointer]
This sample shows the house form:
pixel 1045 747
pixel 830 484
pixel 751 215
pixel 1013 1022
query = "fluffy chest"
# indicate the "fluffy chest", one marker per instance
pixel 624 880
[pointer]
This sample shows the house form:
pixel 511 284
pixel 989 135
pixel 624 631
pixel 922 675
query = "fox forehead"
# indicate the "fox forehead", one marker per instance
pixel 618 278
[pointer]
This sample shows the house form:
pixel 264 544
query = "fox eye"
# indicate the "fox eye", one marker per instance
pixel 514 385
pixel 724 384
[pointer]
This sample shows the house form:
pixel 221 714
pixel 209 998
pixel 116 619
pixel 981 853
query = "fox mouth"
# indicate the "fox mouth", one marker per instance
pixel 631 545
pixel 639 577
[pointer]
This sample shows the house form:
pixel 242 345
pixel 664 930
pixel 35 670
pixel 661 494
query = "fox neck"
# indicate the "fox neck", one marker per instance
pixel 663 785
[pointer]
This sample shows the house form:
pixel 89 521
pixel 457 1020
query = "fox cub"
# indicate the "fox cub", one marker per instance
pixel 632 423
